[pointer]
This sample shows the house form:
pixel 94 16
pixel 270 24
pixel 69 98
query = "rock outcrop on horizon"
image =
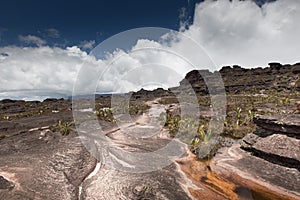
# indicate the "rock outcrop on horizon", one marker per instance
pixel 238 80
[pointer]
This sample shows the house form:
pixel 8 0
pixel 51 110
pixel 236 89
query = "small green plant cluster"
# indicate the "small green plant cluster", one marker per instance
pixel 171 122
pixel 203 137
pixel 187 128
pixel 239 117
pixel 239 122
pixel 63 127
pixel 105 114
pixel 240 113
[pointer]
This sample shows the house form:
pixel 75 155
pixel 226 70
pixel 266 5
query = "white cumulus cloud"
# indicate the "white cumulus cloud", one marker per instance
pixel 240 32
pixel 42 69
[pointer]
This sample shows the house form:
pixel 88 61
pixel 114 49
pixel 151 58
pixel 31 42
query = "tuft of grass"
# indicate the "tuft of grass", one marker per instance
pixel 62 127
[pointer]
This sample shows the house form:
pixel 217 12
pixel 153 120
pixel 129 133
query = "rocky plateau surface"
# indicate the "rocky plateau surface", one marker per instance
pixel 37 161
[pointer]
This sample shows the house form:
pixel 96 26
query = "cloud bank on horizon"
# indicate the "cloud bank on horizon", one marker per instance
pixel 230 32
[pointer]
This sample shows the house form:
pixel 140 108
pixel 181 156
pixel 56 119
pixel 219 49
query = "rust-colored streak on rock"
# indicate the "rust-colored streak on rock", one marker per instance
pixel 200 174
pixel 226 166
pixel 215 182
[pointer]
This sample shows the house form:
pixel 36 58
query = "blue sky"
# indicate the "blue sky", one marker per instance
pixel 69 22
pixel 77 21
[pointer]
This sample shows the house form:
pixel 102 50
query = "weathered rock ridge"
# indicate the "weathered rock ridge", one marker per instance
pixel 237 80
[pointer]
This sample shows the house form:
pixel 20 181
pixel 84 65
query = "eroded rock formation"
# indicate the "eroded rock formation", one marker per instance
pixel 269 157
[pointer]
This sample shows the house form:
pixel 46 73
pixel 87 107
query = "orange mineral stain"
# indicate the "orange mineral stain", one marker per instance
pixel 217 185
